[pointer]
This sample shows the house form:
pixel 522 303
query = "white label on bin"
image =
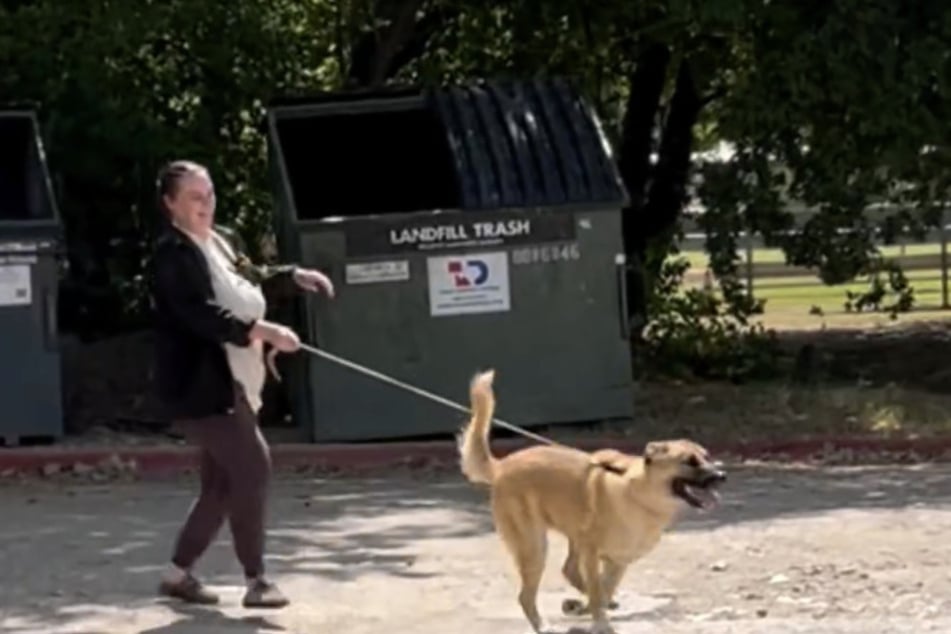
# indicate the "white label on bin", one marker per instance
pixel 17 259
pixel 16 286
pixel 19 247
pixel 469 283
pixel 371 272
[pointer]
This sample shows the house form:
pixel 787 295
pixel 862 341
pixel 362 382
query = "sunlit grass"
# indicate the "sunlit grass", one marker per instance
pixel 803 301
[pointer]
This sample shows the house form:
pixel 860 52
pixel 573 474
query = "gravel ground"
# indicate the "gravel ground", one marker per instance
pixel 818 550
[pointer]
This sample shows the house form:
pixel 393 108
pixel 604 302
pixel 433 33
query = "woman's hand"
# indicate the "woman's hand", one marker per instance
pixel 286 340
pixel 280 337
pixel 312 280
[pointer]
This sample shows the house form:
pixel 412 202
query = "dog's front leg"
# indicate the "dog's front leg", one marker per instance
pixel 611 573
pixel 611 578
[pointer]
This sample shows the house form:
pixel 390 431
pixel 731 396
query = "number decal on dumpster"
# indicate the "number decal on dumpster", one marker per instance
pixel 546 253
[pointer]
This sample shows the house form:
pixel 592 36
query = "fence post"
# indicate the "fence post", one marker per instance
pixel 944 260
pixel 749 263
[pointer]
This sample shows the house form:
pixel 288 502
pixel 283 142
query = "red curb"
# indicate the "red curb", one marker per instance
pixel 168 460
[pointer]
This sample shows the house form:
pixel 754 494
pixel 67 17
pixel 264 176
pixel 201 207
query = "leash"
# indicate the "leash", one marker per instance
pixel 379 376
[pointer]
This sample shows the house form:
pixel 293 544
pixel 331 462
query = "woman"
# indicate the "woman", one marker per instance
pixel 210 370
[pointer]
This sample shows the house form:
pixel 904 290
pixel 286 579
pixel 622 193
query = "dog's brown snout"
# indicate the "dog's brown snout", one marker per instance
pixel 715 476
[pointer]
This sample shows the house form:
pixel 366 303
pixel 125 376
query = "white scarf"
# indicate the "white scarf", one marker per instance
pixel 246 301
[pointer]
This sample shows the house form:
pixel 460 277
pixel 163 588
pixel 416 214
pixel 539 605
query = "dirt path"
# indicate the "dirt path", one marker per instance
pixel 850 551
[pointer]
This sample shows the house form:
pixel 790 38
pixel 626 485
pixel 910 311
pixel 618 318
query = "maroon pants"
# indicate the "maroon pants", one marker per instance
pixel 235 474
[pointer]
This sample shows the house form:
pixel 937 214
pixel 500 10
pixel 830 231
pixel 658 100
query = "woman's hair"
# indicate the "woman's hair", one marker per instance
pixel 168 177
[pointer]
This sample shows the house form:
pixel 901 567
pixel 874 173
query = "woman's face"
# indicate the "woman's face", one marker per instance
pixel 192 203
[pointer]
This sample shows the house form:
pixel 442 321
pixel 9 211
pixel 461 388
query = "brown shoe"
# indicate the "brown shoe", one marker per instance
pixel 264 594
pixel 189 590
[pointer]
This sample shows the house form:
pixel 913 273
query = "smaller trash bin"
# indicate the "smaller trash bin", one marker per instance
pixel 30 235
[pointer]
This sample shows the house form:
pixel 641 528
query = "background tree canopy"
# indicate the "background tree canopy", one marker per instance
pixel 832 105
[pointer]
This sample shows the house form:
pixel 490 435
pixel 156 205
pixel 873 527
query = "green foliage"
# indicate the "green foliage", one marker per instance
pixel 122 87
pixel 895 286
pixel 832 107
pixel 695 334
pixel 839 107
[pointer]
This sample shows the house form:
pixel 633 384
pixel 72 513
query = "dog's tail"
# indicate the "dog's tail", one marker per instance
pixel 475 458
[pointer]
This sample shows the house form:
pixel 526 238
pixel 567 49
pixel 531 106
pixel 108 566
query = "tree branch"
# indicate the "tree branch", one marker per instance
pixel 393 39
pixel 414 47
pixel 379 54
pixel 584 11
pixel 713 95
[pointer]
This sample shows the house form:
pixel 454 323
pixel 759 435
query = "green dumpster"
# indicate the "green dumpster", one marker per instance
pixel 30 234
pixel 464 227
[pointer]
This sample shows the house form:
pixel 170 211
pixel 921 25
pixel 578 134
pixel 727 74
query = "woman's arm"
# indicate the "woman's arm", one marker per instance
pixel 188 298
pixel 276 280
pixel 180 290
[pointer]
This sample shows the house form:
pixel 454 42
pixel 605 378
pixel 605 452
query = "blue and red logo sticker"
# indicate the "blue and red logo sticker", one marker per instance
pixel 468 273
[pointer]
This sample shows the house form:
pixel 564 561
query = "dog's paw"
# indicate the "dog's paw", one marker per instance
pixel 575 607
pixel 602 627
pixel 544 628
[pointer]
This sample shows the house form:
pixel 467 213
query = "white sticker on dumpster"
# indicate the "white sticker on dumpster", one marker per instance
pixel 372 272
pixel 16 288
pixel 468 284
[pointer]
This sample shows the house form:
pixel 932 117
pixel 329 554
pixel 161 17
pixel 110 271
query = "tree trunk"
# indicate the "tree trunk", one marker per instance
pixel 636 144
pixel 668 190
pixel 658 192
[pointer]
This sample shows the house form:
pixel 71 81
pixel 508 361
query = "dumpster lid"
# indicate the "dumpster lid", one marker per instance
pixel 508 144
pixel 527 144
pixel 26 198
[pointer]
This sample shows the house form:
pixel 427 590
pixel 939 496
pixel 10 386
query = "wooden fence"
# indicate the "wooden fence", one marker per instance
pixel 925 263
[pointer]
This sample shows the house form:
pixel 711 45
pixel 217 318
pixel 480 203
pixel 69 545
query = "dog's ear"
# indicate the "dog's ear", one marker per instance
pixel 654 450
pixel 612 460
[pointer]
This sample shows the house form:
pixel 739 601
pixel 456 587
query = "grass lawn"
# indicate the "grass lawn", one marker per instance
pixel 790 295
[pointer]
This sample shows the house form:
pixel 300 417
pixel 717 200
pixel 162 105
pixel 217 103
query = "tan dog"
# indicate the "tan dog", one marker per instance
pixel 612 507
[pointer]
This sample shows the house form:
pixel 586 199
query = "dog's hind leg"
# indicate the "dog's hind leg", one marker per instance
pixel 527 542
pixel 570 569
pixel 531 565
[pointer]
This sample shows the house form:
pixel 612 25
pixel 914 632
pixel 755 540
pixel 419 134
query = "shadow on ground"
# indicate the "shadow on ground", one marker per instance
pixel 762 494
pixel 106 545
pixel 85 545
pixel 190 619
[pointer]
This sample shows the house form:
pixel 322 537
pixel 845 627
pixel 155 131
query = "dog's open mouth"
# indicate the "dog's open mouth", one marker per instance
pixel 700 494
